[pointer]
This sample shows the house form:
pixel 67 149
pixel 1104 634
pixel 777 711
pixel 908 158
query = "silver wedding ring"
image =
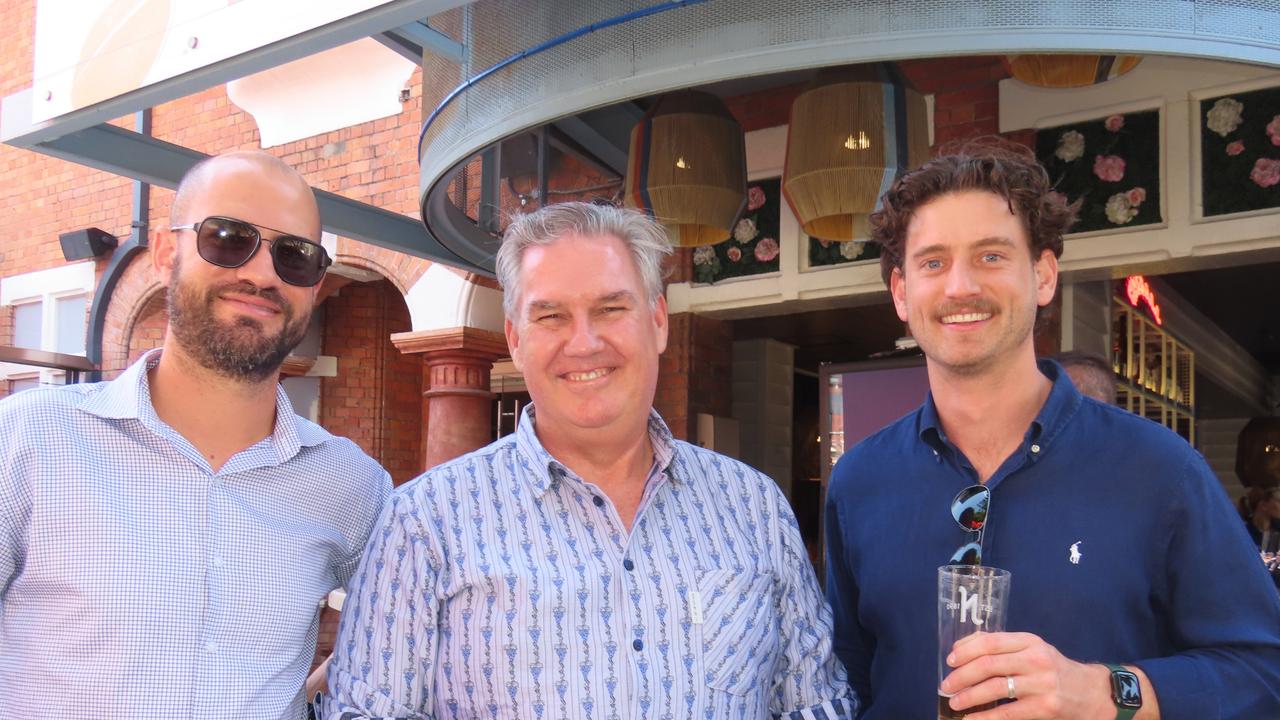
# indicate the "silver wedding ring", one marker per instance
pixel 1008 679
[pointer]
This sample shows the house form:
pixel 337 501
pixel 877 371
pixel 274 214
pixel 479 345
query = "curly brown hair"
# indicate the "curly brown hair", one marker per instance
pixel 990 164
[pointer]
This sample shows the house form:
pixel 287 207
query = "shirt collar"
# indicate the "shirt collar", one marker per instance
pixel 544 470
pixel 129 397
pixel 1063 402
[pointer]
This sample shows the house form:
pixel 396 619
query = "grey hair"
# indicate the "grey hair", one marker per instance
pixel 643 236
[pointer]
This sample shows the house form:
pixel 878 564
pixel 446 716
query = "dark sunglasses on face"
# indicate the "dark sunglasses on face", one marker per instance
pixel 230 243
pixel 970 508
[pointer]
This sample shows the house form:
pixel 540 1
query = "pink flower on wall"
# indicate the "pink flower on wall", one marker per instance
pixel 1115 122
pixel 1266 172
pixel 1273 130
pixel 766 249
pixel 734 253
pixel 1235 148
pixel 1136 196
pixel 755 198
pixel 1109 168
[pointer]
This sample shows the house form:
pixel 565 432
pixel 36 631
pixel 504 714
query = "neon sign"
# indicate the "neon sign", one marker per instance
pixel 1137 288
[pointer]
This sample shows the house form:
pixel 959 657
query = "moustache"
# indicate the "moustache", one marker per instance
pixel 244 287
pixel 972 306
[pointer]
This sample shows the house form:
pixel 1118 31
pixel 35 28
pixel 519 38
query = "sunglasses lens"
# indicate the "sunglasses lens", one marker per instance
pixel 970 554
pixel 970 507
pixel 227 243
pixel 298 261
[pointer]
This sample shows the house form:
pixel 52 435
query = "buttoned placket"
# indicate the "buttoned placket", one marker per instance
pixel 629 570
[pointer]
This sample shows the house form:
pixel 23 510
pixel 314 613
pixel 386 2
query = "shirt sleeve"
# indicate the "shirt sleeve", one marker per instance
pixel 809 682
pixel 384 658
pixel 380 491
pixel 1224 611
pixel 853 645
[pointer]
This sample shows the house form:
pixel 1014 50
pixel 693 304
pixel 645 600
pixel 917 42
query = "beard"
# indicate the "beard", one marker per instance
pixel 239 349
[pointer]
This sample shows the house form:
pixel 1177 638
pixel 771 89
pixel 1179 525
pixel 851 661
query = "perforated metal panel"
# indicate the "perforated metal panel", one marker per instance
pixel 722 39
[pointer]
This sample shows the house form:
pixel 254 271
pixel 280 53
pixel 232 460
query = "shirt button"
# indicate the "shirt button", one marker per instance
pixel 217 562
pixel 599 501
pixel 1035 448
pixel 628 565
pixel 637 644
pixel 211 647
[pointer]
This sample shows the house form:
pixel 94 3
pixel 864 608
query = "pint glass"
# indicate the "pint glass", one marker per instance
pixel 971 598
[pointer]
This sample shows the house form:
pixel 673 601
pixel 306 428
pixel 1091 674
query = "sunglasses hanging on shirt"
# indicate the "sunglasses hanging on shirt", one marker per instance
pixel 230 243
pixel 970 508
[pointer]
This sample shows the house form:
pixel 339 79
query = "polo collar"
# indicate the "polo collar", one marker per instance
pixel 1063 402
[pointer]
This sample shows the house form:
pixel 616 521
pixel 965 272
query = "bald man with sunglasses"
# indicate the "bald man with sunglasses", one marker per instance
pixel 166 538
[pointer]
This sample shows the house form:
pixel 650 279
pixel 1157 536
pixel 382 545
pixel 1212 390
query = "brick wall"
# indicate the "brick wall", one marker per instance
pixel 148 330
pixel 695 373
pixel 376 398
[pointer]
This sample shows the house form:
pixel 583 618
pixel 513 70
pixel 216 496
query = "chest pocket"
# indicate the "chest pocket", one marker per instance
pixel 740 631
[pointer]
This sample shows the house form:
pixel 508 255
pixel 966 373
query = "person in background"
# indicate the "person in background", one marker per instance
pixel 589 565
pixel 166 537
pixel 1260 509
pixel 1134 595
pixel 1090 373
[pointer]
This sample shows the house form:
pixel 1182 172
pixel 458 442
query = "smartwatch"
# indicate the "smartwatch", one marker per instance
pixel 1126 692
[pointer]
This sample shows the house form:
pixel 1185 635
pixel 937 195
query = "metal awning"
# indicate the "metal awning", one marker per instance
pixel 86 137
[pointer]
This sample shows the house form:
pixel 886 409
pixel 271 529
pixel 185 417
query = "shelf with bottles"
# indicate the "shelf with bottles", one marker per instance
pixel 1155 371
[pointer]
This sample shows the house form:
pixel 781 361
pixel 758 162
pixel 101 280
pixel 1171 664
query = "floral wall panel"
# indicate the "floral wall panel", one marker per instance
pixel 1240 152
pixel 1110 165
pixel 753 247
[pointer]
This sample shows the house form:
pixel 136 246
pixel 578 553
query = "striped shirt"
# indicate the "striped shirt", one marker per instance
pixel 136 582
pixel 501 585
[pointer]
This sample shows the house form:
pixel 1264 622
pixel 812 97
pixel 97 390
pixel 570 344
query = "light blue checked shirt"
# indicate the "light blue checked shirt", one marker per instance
pixel 137 583
pixel 500 585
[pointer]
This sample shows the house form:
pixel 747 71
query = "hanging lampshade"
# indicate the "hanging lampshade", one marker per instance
pixel 853 130
pixel 688 167
pixel 1069 71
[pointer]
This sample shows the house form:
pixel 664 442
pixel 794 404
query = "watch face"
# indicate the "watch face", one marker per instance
pixel 1125 690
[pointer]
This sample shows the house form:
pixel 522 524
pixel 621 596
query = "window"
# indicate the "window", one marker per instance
pixel 69 321
pixel 50 310
pixel 28 325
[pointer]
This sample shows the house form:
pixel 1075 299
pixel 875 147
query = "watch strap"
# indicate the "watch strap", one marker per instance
pixel 1122 712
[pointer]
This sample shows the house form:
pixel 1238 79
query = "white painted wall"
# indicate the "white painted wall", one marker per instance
pixel 443 299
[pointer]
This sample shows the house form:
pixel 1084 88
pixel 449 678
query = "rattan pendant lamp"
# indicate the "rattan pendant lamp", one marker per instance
pixel 853 130
pixel 687 166
pixel 1069 71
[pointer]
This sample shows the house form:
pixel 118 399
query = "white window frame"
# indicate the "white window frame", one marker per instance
pixel 46 287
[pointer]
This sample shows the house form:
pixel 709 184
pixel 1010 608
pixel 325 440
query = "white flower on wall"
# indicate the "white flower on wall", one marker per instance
pixel 1070 146
pixel 745 231
pixel 1224 117
pixel 852 249
pixel 1120 209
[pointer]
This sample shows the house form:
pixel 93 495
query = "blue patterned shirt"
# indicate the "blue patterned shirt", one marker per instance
pixel 501 585
pixel 137 583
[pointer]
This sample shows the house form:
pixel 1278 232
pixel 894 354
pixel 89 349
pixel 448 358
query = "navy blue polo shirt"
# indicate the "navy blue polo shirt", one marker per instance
pixel 1163 574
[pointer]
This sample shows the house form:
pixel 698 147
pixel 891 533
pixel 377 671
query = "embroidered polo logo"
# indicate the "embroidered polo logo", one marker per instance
pixel 1075 553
